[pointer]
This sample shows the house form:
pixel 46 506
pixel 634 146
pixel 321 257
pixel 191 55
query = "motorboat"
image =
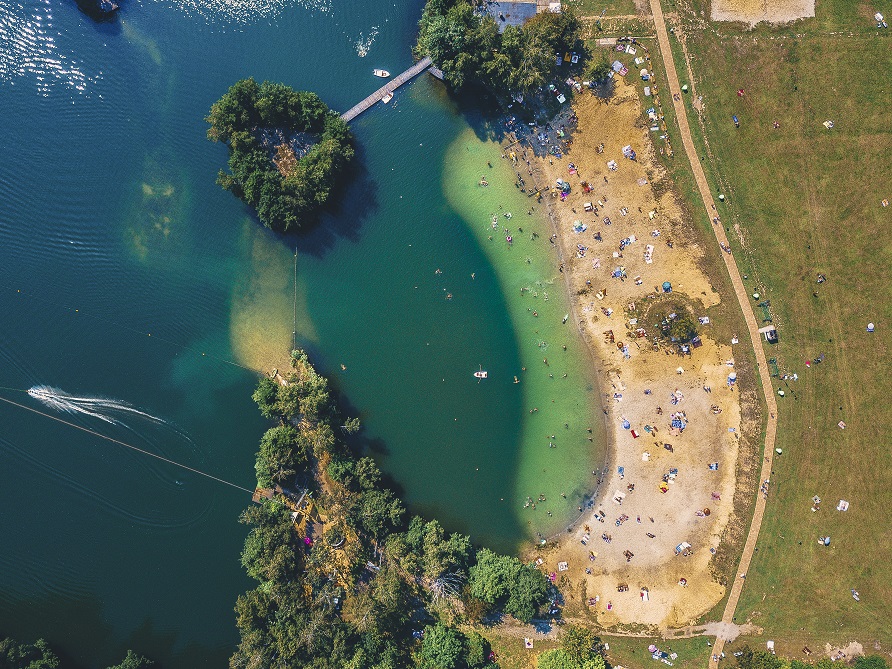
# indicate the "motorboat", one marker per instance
pixel 388 96
pixel 384 74
pixel 481 373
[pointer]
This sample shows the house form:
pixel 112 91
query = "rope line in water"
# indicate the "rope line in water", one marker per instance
pixel 123 443
pixel 294 326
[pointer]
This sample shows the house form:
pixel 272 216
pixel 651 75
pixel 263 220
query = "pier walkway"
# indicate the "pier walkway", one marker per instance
pixel 390 87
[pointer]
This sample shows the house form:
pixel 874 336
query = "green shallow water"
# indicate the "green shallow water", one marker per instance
pixel 562 394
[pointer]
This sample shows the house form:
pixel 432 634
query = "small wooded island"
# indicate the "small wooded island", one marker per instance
pixel 286 149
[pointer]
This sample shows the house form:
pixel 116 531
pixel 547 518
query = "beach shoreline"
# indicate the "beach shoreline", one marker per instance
pixel 636 577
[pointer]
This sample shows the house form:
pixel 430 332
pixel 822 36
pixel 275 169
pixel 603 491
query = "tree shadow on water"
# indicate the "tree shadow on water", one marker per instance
pixel 342 218
pixel 483 114
pixel 79 634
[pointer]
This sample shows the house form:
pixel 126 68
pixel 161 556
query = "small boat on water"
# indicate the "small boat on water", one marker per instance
pixel 481 373
pixel 388 96
pixel 384 74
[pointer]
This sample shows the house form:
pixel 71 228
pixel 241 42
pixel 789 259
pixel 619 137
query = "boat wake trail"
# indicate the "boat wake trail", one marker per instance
pixel 104 409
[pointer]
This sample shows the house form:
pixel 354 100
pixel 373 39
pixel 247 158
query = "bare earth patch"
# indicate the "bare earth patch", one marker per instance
pixel 756 11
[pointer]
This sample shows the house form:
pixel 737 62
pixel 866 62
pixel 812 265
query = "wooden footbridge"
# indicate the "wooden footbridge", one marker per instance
pixel 390 87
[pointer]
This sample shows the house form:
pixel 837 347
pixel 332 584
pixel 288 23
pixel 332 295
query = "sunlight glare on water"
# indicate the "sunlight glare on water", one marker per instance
pixel 29 52
pixel 244 11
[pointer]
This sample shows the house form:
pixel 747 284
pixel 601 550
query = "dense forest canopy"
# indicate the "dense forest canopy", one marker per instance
pixel 286 150
pixel 467 46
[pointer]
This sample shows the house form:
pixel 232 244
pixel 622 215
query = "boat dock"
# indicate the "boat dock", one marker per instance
pixel 390 87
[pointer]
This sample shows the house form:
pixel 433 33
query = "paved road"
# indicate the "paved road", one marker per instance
pixel 744 300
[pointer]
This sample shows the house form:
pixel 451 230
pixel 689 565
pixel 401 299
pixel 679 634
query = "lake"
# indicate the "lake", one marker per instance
pixel 128 275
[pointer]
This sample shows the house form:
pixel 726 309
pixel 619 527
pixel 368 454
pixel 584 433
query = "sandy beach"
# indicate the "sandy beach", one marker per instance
pixel 662 486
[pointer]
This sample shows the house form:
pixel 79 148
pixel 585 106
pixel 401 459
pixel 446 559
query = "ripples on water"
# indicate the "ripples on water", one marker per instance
pixel 243 11
pixel 130 506
pixel 29 49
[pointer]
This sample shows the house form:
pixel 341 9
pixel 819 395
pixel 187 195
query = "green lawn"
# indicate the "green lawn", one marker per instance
pixel 609 7
pixel 807 201
pixel 632 652
pixel 629 652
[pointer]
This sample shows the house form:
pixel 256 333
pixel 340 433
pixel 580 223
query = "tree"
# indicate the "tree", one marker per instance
pixel 527 589
pixel 351 426
pixel 580 643
pixel 441 648
pixel 271 548
pixel 683 328
pixel 288 399
pixel 498 578
pixel 759 659
pixel 597 70
pixel 468 48
pixel 489 578
pixel 560 31
pixel 474 607
pixel 134 661
pixel 476 650
pixel 559 658
pixel 367 474
pixel 15 655
pixel 871 662
pixel 389 592
pixel 378 512
pixel 266 396
pixel 281 454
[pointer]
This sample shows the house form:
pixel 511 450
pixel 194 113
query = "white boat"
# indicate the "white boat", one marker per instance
pixel 481 374
pixel 388 96
pixel 384 74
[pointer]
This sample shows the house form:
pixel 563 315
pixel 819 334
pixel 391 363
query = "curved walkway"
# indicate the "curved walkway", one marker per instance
pixel 751 323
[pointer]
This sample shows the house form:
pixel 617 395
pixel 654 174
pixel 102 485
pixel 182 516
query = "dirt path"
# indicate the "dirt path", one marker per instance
pixel 752 324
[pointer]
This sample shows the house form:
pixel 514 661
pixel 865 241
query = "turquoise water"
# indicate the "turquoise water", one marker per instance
pixel 127 273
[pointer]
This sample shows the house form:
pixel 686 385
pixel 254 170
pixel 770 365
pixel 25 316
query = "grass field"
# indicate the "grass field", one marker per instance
pixel 807 200
pixel 628 652
pixel 632 653
pixel 609 7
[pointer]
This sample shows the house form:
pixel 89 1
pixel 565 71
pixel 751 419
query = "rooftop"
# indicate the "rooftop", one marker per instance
pixel 511 13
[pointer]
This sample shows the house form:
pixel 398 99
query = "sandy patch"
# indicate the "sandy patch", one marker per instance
pixel 640 387
pixel 260 337
pixel 756 11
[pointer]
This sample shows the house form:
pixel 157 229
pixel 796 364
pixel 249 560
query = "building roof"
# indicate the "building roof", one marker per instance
pixel 511 13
